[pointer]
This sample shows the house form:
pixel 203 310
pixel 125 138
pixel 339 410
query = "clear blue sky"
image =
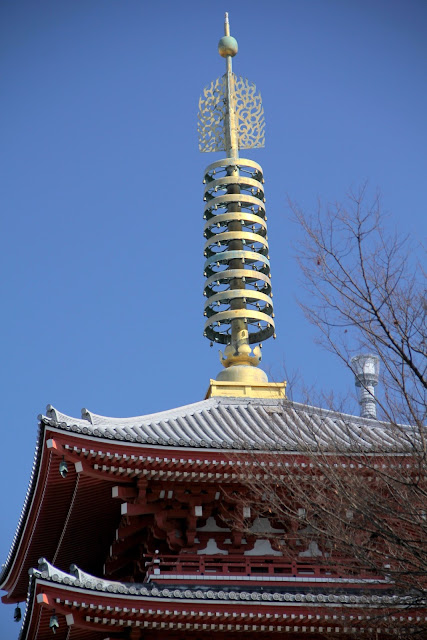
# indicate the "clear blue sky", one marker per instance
pixel 101 193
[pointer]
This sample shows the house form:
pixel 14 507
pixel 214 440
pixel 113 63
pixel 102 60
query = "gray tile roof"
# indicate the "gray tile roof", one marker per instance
pixel 236 423
pixel 82 580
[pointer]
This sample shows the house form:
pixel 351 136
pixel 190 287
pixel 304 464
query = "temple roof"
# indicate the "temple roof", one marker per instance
pixel 242 423
pixel 81 580
pixel 94 608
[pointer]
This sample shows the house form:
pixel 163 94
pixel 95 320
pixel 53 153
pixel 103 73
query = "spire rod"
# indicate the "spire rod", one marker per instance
pixel 228 48
pixel 226 25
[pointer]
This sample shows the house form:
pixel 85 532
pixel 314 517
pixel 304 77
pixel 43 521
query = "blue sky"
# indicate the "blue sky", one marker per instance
pixel 101 193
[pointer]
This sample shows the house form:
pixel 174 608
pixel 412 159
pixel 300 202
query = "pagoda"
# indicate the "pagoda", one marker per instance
pixel 130 526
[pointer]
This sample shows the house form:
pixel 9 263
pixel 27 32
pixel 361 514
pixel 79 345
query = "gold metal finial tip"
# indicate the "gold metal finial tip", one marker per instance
pixel 227 46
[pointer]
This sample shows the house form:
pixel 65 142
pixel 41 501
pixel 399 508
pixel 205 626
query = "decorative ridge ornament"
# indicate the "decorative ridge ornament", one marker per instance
pixel 238 306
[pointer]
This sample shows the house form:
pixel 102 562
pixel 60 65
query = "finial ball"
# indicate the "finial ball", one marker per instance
pixel 227 46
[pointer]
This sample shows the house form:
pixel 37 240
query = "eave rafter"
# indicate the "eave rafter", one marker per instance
pixel 113 463
pixel 127 462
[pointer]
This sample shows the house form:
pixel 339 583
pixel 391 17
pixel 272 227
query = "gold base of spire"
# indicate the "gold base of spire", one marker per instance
pixel 242 373
pixel 241 376
pixel 240 353
pixel 246 388
pixel 245 381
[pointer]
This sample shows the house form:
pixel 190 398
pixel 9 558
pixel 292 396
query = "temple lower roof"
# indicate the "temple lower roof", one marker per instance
pixel 95 608
pixel 79 579
pixel 90 608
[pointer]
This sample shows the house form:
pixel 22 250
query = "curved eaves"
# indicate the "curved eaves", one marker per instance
pixel 7 566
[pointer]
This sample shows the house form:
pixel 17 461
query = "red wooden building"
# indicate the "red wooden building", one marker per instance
pixel 136 540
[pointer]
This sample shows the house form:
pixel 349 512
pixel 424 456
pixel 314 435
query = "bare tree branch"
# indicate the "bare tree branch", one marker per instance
pixel 355 510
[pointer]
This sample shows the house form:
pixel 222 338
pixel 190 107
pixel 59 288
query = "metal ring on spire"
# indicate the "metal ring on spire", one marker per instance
pixel 237 267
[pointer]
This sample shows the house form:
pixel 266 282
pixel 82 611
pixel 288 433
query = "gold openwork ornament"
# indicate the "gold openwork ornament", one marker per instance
pixel 249 112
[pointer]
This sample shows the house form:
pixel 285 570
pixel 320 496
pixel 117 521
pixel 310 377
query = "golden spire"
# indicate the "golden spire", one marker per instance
pixel 238 306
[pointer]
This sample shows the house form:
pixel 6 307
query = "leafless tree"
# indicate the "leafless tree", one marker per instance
pixel 357 514
pixel 357 510
pixel 366 293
